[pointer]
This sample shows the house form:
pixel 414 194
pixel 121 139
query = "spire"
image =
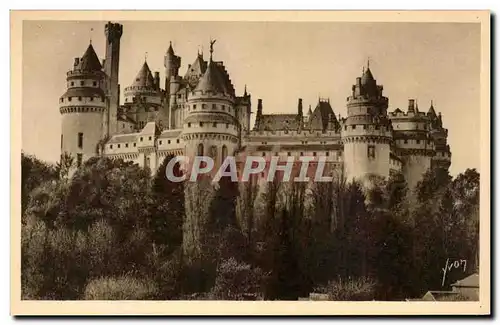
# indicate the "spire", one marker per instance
pixel 91 30
pixel 170 49
pixel 431 111
pixel 145 57
pixel 299 108
pixel 245 93
pixel 90 61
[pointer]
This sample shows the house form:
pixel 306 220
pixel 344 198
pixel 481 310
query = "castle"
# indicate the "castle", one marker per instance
pixel 200 114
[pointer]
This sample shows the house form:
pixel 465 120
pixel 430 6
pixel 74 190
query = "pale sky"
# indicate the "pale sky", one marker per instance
pixel 279 62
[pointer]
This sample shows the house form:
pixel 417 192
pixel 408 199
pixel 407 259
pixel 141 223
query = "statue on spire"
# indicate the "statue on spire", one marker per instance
pixel 212 42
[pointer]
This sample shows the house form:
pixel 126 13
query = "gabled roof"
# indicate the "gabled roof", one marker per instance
pixel 151 128
pixel 275 122
pixel 144 77
pixel 321 116
pixel 89 61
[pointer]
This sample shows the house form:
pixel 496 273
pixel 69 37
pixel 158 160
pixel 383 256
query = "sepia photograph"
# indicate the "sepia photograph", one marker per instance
pixel 324 163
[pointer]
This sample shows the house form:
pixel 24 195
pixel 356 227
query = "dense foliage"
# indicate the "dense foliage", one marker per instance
pixel 112 231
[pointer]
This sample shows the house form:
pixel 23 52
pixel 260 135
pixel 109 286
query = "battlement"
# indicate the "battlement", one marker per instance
pixel 208 95
pixel 314 134
pixel 113 31
pixel 407 115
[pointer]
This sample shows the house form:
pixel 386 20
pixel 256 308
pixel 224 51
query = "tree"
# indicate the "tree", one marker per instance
pixel 166 211
pixel 34 173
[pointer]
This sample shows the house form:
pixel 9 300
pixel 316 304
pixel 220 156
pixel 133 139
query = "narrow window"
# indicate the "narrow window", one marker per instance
pixel 82 83
pixel 227 125
pixel 149 138
pixel 406 141
pixel 224 152
pixel 135 144
pixel 214 125
pixel 80 98
pixel 118 146
pixel 126 145
pixel 371 152
pixel 214 106
pixel 80 140
pixel 194 106
pixel 110 146
pixel 79 158
pixel 418 141
pixel 177 141
pixel 289 153
pixel 94 83
pixel 72 83
pixel 200 149
pixel 168 141
pixel 327 153
pixel 314 154
pixel 189 124
pixel 69 99
pixel 140 139
pixel 301 153
pixel 201 123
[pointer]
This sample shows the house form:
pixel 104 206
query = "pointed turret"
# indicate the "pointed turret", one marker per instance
pixel 212 80
pixel 144 77
pixel 170 50
pixel 89 60
pixel 432 112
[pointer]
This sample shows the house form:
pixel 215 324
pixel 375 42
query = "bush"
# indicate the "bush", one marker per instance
pixel 237 281
pixel 360 289
pixel 120 288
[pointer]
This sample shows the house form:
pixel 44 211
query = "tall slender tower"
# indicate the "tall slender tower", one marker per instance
pixel 113 33
pixel 366 132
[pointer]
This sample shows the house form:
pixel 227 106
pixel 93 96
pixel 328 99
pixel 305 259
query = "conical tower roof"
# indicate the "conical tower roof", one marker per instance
pixel 211 81
pixel 367 77
pixel 90 61
pixel 431 111
pixel 144 78
pixel 170 49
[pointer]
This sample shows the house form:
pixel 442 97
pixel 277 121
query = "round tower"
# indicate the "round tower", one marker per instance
pixel 414 145
pixel 442 156
pixel 82 107
pixel 366 132
pixel 143 98
pixel 210 127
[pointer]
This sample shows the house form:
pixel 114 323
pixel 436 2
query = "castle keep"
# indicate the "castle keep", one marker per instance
pixel 199 113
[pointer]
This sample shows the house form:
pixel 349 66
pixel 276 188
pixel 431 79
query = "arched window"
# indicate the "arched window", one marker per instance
pixel 213 152
pixel 224 152
pixel 200 149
